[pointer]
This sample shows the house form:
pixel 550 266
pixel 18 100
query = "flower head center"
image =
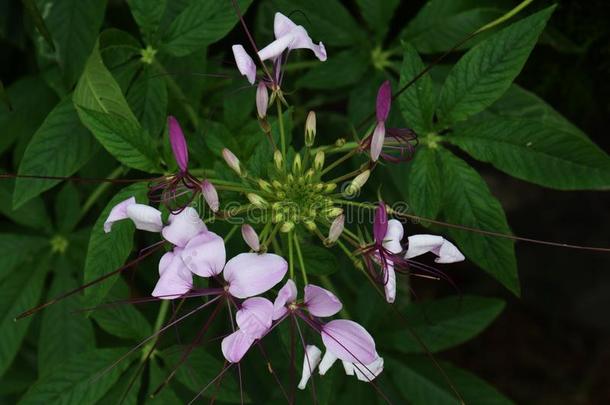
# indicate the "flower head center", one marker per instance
pixel 59 244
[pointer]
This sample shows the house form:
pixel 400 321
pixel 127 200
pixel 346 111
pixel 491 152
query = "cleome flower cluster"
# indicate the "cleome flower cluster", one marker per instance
pixel 298 200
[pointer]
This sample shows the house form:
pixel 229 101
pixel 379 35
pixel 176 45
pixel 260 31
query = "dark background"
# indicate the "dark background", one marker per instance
pixel 550 346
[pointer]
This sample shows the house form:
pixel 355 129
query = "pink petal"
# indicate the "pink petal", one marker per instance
pixel 286 295
pixel 384 101
pixel 393 236
pixel 250 274
pixel 183 227
pixel 262 100
pixel 235 346
pixel 210 195
pixel 118 212
pixel 175 279
pixel 446 251
pixel 250 237
pixel 205 254
pixel 254 316
pixel 144 217
pixel 244 62
pixel 377 141
pixel 310 362
pixel 301 40
pixel 349 341
pixel 321 302
pixel 176 139
pixel 282 25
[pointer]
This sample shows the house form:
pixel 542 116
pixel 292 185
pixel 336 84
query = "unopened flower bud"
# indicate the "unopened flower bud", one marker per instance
pixel 178 143
pixel 336 229
pixel 232 160
pixel 357 183
pixel 311 225
pixel 334 212
pixel 278 159
pixel 296 164
pixel 330 187
pixel 287 227
pixel 250 237
pixel 256 200
pixel 340 142
pixel 277 184
pixel 262 100
pixel 318 160
pixel 264 185
pixel 377 140
pixel 210 195
pixel 310 129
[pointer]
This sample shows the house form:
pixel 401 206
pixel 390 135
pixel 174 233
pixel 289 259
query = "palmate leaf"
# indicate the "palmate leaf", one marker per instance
pixel 60 147
pixel 548 155
pixel 74 25
pixel 378 14
pixel 104 110
pixel 424 183
pixel 81 380
pixel 485 72
pixel 67 208
pixel 467 201
pixel 148 98
pixel 18 293
pixel 32 214
pixel 417 102
pixel 16 249
pixel 200 24
pixel 65 332
pixel 148 15
pixel 420 382
pixel 445 323
pixel 341 70
pixel 441 24
pixel 108 251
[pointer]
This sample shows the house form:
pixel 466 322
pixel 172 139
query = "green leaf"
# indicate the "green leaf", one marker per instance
pixel 81 380
pixel 67 208
pixel 74 25
pixel 122 319
pixel 167 396
pixel 65 332
pixel 116 394
pixel 4 98
pixel 531 150
pixel 16 249
pixel 18 293
pixel 97 90
pixel 147 14
pixel 420 382
pixel 441 24
pixel 60 147
pixel 341 70
pixel 417 102
pixel 318 261
pixel 199 369
pixel 468 202
pixel 124 139
pixel 34 12
pixel 424 183
pixel 108 251
pixel 378 14
pixel 327 21
pixel 32 214
pixel 485 72
pixel 202 23
pixel 444 323
pixel 148 98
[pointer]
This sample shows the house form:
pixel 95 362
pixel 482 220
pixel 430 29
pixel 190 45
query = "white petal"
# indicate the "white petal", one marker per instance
pixel 145 218
pixel 348 367
pixel 446 251
pixel 282 25
pixel 183 227
pixel 393 236
pixel 311 359
pixel 275 49
pixel 118 213
pixel 327 361
pixel 370 372
pixel 245 64
pixel 390 285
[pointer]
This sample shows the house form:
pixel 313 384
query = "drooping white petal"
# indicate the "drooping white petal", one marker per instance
pixel 144 217
pixel 311 359
pixel 244 62
pixel 118 213
pixel 183 227
pixel 390 285
pixel 393 236
pixel 327 361
pixel 446 251
pixel 275 48
pixel 369 372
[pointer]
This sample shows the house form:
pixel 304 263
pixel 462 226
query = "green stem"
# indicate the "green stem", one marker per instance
pixel 229 235
pixel 179 94
pixel 158 325
pixel 97 193
pixel 290 256
pixel 300 257
pixel 339 161
pixel 280 119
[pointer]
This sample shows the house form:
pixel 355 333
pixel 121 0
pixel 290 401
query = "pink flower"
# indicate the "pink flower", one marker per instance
pixel 175 279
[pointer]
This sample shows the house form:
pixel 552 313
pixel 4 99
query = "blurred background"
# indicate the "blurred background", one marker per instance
pixel 550 346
